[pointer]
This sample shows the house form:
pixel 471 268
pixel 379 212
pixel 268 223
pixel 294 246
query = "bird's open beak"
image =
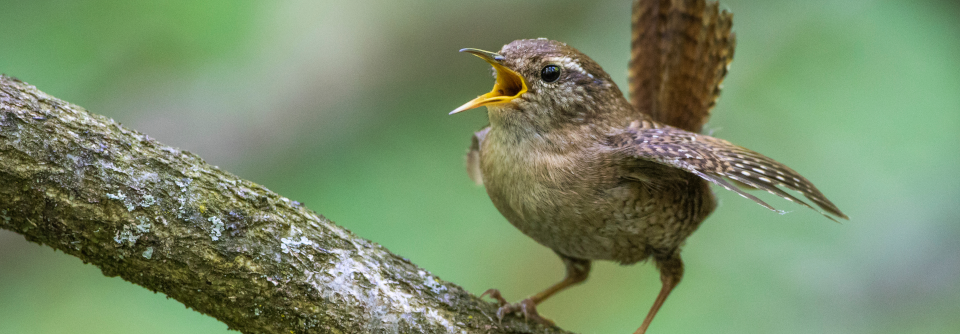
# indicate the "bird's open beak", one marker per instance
pixel 509 85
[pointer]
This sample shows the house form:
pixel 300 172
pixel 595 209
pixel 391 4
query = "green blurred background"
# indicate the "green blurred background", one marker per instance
pixel 343 106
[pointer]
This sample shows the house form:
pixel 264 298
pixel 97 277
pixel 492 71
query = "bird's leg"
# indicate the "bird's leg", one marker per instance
pixel 671 271
pixel 577 271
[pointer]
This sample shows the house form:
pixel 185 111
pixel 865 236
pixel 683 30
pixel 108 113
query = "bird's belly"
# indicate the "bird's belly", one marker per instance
pixel 624 222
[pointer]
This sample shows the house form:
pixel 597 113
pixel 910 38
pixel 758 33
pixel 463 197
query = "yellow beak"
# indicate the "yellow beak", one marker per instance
pixel 509 85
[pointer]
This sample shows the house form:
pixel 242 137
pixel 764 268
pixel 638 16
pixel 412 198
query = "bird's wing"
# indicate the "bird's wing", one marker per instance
pixel 714 159
pixel 473 156
pixel 680 52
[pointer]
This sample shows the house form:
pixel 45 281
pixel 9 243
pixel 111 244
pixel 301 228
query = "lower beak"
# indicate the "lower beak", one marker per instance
pixel 509 85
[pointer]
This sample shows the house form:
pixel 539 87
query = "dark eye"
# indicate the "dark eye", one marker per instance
pixel 550 73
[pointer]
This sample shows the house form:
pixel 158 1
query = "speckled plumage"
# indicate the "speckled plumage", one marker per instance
pixel 581 170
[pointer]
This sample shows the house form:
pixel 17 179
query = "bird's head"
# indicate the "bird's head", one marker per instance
pixel 543 84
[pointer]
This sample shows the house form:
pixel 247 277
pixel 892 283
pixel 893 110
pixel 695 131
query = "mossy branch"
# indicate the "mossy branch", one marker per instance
pixel 162 218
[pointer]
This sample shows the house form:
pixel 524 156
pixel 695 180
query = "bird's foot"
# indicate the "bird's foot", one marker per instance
pixel 526 307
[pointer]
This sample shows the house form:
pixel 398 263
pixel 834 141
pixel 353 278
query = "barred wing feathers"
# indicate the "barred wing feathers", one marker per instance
pixel 714 159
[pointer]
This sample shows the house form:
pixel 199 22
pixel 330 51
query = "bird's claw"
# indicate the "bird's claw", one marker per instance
pixel 495 294
pixel 526 307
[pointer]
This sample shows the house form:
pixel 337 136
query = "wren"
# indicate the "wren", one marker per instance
pixel 573 164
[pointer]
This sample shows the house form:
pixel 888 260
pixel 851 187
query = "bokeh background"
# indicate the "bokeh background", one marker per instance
pixel 343 106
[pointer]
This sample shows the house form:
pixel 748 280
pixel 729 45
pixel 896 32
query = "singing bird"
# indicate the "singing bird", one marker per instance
pixel 580 169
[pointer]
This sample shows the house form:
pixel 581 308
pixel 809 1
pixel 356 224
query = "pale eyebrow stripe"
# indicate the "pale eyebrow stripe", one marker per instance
pixel 568 63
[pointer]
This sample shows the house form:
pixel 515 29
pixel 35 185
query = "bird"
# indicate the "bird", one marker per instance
pixel 572 163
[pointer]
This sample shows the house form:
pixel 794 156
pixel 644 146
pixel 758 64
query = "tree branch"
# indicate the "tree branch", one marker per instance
pixel 162 218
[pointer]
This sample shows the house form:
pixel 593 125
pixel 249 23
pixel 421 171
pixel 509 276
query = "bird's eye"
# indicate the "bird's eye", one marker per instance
pixel 550 73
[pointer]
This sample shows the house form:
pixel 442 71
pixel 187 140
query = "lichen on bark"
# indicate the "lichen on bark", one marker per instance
pixel 164 219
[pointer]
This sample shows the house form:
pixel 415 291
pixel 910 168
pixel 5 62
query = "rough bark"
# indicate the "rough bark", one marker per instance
pixel 162 218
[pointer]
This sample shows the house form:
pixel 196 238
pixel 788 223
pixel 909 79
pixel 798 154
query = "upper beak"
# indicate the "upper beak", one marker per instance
pixel 509 85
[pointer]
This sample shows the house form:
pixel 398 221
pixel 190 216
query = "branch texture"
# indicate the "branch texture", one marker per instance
pixel 162 218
